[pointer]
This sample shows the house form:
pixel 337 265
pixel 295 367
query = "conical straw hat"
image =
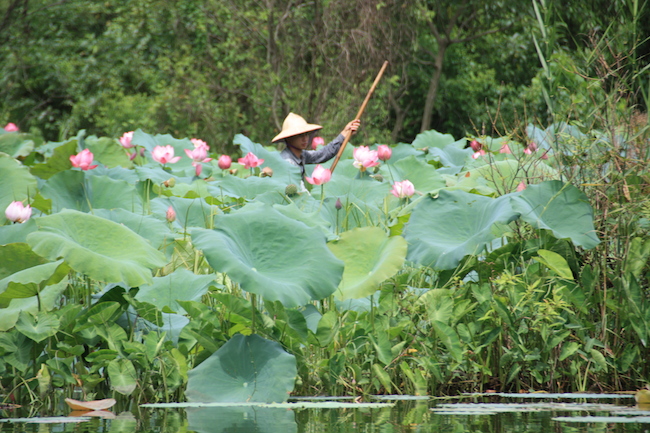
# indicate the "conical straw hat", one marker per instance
pixel 295 125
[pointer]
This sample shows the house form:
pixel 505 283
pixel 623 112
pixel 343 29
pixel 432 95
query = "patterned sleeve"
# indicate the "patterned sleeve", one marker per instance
pixel 325 153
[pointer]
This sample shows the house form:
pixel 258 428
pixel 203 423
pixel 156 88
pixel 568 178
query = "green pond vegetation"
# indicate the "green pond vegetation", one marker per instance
pixel 510 261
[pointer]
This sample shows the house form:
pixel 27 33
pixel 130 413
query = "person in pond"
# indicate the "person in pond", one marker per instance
pixel 298 136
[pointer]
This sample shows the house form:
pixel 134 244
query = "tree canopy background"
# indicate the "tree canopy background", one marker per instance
pixel 214 68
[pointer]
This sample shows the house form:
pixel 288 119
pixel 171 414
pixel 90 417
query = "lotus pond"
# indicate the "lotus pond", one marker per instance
pixel 494 413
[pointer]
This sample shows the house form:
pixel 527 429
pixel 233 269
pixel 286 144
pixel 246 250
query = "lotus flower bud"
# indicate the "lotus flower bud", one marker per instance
pixel 170 215
pixel 338 205
pixel 475 145
pixel 291 189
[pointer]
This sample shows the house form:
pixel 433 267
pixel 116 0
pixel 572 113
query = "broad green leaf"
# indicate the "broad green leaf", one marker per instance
pixel 122 375
pixel 637 256
pixel 181 285
pixel 370 257
pixel 439 304
pixel 328 328
pixel 107 193
pixel 17 144
pixel 57 159
pixel 28 282
pixel 16 257
pixel 443 230
pixel 48 298
pixel 103 250
pixel 16 183
pixel 190 212
pixel 559 207
pixel 568 349
pixel 108 151
pixel 16 233
pixel 67 190
pixel 433 138
pixel 249 188
pixel 100 314
pixel 449 338
pixel 555 262
pixel 247 369
pixel 271 255
pixel 37 327
pixel 506 175
pixel 425 177
pixel 150 228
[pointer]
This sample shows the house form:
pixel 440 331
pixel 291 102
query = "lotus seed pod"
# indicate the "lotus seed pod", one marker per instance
pixel 169 183
pixel 378 177
pixel 267 172
pixel 291 189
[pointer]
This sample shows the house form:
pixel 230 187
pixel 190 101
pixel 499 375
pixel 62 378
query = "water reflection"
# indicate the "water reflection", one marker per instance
pixel 406 416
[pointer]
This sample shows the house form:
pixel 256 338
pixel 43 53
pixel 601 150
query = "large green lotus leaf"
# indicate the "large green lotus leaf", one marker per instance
pixel 16 257
pixel 108 151
pixel 245 369
pixel 27 282
pixel 559 207
pixel 451 158
pixel 403 150
pixel 248 188
pixel 102 249
pixel 181 285
pixel 433 138
pixel 353 213
pixel 365 190
pixel 107 193
pixel 15 233
pixel 310 219
pixel 46 301
pixel 116 173
pixel 443 230
pixel 57 159
pixel 423 176
pixel 241 419
pixel 16 144
pixel 16 183
pixel 271 255
pixel 191 188
pixel 157 175
pixel 283 172
pixel 190 212
pixel 66 190
pixel 504 176
pixel 152 229
pixel 370 258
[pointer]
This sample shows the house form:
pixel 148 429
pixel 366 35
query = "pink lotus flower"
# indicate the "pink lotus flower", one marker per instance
pixel 125 140
pixel 478 153
pixel 83 160
pixel 521 186
pixel 250 161
pixel 317 141
pixel 199 154
pixel 544 155
pixel 384 152
pixel 403 189
pixel 170 215
pixel 319 176
pixel 17 212
pixel 475 145
pixel 200 144
pixel 224 162
pixel 505 148
pixel 11 127
pixel 527 151
pixel 164 154
pixel 532 146
pixel 364 158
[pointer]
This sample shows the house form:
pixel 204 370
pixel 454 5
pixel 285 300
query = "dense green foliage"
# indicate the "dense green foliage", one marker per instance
pixel 470 286
pixel 212 69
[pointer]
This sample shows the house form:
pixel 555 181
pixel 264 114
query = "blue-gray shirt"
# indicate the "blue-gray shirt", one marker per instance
pixel 323 154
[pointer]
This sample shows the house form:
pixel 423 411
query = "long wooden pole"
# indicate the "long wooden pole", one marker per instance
pixel 359 113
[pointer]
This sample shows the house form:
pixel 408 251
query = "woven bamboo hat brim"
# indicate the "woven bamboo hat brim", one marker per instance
pixel 295 125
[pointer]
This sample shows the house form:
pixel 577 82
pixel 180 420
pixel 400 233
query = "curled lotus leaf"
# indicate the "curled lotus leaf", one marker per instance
pixel 271 255
pixel 102 249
